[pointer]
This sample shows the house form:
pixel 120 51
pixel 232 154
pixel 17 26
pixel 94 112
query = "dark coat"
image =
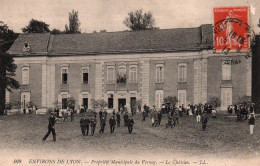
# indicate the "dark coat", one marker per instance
pixel 112 122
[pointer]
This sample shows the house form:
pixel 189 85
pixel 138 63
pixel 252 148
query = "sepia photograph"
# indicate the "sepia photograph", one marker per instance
pixel 129 82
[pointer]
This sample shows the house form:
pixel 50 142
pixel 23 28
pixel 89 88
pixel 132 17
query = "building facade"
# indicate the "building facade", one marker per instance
pixel 123 66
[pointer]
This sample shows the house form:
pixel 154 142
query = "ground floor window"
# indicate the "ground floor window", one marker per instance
pixel 85 102
pixel 64 103
pixel 110 101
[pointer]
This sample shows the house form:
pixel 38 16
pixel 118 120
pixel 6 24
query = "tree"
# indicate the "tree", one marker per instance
pixel 136 20
pixel 245 101
pixel 74 23
pixel 56 32
pixel 7 66
pixel 94 104
pixel 214 101
pixel 102 103
pixel 172 100
pixel 36 26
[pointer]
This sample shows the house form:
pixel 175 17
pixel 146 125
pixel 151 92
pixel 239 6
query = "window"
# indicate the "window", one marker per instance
pixel 159 73
pixel 64 76
pixel 121 77
pixel 110 101
pixel 26 47
pixel 182 98
pixel 64 101
pixel 226 97
pixel 182 72
pixel 133 74
pixel 158 98
pixel 226 70
pixel 25 75
pixel 110 75
pixel 85 75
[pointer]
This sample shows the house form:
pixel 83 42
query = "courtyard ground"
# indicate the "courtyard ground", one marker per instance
pixel 224 140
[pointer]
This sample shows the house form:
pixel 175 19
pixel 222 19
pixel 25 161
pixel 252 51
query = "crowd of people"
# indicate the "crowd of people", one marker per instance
pixel 89 119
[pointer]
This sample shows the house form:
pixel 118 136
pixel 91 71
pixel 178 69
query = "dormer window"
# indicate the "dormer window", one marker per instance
pixel 26 47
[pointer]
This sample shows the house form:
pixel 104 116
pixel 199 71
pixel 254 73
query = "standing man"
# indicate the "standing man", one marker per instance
pixel 93 122
pixel 169 120
pixel 103 124
pixel 159 118
pixel 125 119
pixel 144 115
pixel 251 122
pixel 118 119
pixel 112 123
pixel 105 115
pixel 71 115
pixel 100 114
pixel 51 128
pixel 130 124
pixel 83 126
pixel 204 120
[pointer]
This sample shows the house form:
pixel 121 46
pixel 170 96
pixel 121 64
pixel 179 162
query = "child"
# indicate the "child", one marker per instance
pixel 214 112
pixel 251 122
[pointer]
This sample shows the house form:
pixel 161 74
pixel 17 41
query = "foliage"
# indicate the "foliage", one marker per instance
pixel 98 104
pixel 74 23
pixel 56 32
pixel 137 20
pixel 36 26
pixel 7 66
pixel 245 101
pixel 71 103
pixel 214 102
pixel 171 100
pixel 102 103
pixel 94 104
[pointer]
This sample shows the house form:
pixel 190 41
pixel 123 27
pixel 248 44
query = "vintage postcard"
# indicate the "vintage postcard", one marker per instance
pixel 129 82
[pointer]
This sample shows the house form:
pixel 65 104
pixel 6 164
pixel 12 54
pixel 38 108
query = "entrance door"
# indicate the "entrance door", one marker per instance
pixel 121 103
pixel 133 103
pixel 226 97
pixel 25 99
pixel 85 103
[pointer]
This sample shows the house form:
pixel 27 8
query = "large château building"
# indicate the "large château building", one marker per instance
pixel 131 65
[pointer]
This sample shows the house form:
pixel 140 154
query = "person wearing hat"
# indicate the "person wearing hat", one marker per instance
pixel 251 122
pixel 112 123
pixel 204 120
pixel 103 124
pixel 125 119
pixel 130 124
pixel 93 122
pixel 118 119
pixel 51 128
pixel 169 120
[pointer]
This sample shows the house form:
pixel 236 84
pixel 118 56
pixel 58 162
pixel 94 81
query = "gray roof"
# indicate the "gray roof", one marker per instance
pixel 165 40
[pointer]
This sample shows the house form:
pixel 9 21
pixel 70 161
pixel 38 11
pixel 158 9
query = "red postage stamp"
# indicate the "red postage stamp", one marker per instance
pixel 231 29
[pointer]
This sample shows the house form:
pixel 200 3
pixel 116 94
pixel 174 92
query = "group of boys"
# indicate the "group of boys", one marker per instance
pixel 89 120
pixel 113 121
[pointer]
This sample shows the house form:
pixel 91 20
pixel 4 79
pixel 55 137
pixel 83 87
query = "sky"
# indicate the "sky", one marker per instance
pixel 96 15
